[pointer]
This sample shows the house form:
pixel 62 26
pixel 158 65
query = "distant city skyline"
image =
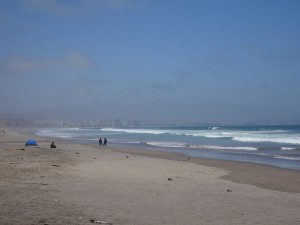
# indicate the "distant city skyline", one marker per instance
pixel 125 123
pixel 164 61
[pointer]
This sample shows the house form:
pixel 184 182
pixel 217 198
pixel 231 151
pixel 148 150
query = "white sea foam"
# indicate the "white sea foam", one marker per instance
pixel 256 153
pixel 287 148
pixel 214 136
pixel 272 131
pixel 167 144
pixel 135 131
pixel 75 128
pixel 286 140
pixel 213 128
pixel 184 145
pixel 286 157
pixel 223 147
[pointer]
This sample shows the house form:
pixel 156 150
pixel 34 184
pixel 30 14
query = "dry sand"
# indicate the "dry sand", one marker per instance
pixel 75 183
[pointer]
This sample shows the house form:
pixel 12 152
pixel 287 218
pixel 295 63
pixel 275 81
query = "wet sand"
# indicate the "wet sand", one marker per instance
pixel 76 183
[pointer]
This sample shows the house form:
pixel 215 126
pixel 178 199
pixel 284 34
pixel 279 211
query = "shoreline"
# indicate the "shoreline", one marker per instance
pixel 76 183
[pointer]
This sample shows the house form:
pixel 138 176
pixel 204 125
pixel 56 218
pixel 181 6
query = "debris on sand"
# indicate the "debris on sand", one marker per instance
pixel 99 222
pixel 16 149
pixel 55 165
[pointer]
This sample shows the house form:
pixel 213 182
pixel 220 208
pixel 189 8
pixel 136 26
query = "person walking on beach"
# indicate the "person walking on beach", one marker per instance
pixel 105 142
pixel 100 141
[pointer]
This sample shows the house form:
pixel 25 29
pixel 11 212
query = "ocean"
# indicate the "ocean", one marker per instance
pixel 277 146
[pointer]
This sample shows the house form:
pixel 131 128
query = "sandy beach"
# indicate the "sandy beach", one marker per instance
pixel 77 184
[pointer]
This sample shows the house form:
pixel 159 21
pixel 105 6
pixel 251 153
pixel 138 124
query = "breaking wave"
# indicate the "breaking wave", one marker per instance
pixel 285 140
pixel 184 145
pixel 287 157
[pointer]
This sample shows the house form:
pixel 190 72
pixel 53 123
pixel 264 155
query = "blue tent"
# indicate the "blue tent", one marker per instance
pixel 31 142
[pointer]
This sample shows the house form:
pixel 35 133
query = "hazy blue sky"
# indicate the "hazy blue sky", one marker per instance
pixel 192 60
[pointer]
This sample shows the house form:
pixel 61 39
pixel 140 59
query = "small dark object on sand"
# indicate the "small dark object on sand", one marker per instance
pixel 77 153
pixel 127 156
pixel 99 222
pixel 170 178
pixel 228 190
pixel 56 165
pixel 188 158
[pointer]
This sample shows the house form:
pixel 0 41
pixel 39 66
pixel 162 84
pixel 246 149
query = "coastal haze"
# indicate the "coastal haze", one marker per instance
pixel 161 61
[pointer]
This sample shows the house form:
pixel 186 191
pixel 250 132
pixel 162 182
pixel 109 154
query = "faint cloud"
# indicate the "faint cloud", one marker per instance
pixel 156 86
pixel 77 60
pixel 21 64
